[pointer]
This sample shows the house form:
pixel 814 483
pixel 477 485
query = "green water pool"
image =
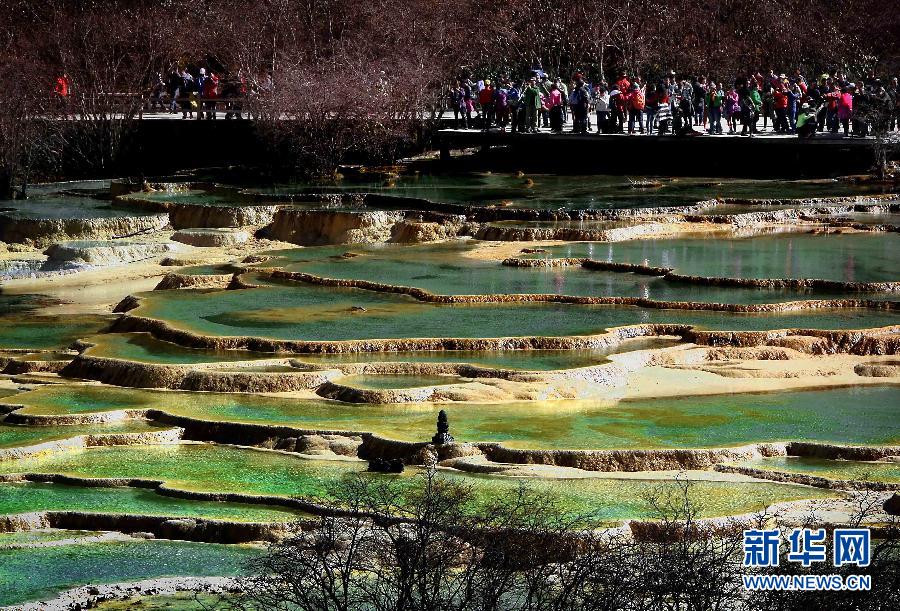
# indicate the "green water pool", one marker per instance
pixel 445 268
pixel 700 421
pixel 231 469
pixel 832 469
pixel 544 191
pixel 43 332
pixel 850 257
pixel 43 572
pixel 305 312
pixel 15 435
pixel 29 496
pixel 43 535
pixel 145 348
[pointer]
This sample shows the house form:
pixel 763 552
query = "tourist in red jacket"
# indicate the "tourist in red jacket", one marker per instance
pixel 780 102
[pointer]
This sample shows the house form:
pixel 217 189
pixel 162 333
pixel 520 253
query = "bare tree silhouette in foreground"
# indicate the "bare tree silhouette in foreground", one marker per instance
pixel 429 542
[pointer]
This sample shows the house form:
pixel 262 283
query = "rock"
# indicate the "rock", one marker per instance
pixel 443 435
pixel 380 465
pixel 892 505
pixel 127 304
pixel 211 237
pixel 109 252
pixel 319 227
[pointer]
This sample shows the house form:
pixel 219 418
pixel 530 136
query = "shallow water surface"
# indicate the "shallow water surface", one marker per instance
pixel 831 469
pixel 231 469
pixel 847 257
pixel 691 422
pixel 43 572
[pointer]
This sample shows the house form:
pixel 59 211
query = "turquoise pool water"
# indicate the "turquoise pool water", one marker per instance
pixel 852 257
pixel 43 572
pixel 701 421
pixel 225 469
pixel 306 312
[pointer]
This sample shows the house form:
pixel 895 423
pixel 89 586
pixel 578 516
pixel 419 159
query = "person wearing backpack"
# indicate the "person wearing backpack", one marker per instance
pixel 636 105
pixel 578 101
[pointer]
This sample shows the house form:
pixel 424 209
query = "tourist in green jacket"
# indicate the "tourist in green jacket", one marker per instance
pixel 531 98
pixel 715 97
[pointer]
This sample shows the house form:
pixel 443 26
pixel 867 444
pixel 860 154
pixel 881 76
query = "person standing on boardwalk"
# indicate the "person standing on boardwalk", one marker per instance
pixel 750 106
pixel 457 100
pixel 531 100
pixel 732 109
pixel 555 105
pixel 579 101
pixel 601 107
pixel 486 100
pixel 715 98
pixel 636 104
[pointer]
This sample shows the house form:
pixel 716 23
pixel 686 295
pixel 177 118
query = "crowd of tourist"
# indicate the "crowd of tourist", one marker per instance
pixel 199 91
pixel 680 105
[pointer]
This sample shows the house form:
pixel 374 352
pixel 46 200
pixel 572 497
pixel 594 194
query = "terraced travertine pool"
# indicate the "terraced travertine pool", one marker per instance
pixel 23 497
pixel 845 257
pixel 682 422
pixel 451 268
pixel 143 347
pixel 314 313
pixel 212 468
pixel 831 469
pixel 545 191
pixel 40 573
pixel 14 435
pixel 33 331
pixel 520 415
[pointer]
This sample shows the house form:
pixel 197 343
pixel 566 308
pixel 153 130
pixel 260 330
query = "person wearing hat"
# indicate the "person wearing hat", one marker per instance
pixel 807 125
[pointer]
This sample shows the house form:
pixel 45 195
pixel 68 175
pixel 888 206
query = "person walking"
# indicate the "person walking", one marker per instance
pixel 457 101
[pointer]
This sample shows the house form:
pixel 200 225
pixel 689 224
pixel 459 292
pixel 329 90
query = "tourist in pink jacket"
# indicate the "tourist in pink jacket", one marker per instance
pixel 845 108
